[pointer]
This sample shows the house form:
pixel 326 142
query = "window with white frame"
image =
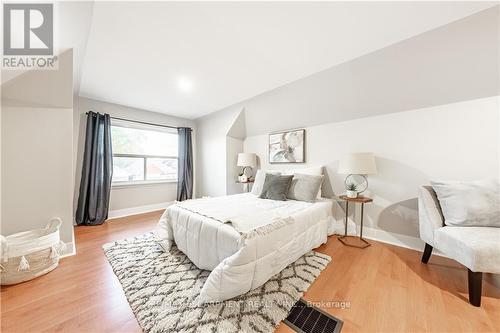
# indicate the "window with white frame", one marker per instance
pixel 143 153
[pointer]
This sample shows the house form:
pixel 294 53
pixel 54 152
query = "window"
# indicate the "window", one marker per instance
pixel 143 153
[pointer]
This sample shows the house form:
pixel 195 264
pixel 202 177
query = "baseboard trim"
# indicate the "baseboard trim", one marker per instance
pixel 400 240
pixel 114 214
pixel 379 235
pixel 70 250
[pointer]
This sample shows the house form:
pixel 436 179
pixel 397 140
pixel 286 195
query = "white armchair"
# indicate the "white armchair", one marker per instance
pixel 477 248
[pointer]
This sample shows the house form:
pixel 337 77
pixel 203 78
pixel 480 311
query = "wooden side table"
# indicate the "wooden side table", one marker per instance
pixel 246 185
pixel 362 200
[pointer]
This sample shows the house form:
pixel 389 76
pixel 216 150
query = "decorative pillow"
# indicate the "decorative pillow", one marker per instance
pixel 316 171
pixel 275 187
pixel 258 183
pixel 304 187
pixel 469 204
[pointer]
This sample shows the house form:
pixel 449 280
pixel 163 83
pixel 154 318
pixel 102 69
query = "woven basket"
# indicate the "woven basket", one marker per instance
pixel 29 254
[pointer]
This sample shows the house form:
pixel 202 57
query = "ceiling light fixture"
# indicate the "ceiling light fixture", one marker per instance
pixel 185 85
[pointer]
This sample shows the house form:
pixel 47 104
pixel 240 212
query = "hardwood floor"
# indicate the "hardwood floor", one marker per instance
pixel 381 288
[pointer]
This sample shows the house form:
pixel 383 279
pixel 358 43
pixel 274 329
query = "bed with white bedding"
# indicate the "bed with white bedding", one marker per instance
pixel 242 239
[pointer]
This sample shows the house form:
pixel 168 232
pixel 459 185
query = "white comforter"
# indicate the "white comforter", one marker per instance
pixel 242 239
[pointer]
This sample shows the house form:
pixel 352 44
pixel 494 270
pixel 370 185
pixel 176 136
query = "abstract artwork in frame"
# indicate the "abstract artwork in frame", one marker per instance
pixel 287 147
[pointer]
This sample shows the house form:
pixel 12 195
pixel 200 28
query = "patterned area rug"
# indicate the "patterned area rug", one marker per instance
pixel 162 289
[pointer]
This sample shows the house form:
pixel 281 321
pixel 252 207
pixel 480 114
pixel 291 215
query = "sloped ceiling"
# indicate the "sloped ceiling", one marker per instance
pixel 238 129
pixel 71 29
pixel 31 88
pixel 189 59
pixel 452 63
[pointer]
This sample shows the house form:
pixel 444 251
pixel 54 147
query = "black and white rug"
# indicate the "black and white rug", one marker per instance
pixel 162 289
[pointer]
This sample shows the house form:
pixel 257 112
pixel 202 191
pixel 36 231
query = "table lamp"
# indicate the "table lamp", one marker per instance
pixel 247 161
pixel 356 166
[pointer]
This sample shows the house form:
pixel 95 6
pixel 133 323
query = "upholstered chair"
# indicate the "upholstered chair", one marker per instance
pixel 477 248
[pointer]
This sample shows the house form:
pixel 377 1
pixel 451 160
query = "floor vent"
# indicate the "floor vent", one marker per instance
pixel 309 319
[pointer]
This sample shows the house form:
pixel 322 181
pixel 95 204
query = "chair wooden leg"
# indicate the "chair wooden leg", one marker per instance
pixel 427 253
pixel 475 286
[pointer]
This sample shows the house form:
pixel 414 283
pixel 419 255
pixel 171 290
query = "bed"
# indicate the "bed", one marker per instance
pixel 242 239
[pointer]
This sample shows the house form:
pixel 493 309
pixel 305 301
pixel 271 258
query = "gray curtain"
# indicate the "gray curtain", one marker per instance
pixel 185 166
pixel 97 170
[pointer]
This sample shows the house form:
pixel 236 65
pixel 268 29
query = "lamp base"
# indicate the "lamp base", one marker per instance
pixel 352 194
pixel 360 182
pixel 249 176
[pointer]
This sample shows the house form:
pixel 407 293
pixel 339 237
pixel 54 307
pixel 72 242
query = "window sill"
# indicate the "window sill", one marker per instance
pixel 141 183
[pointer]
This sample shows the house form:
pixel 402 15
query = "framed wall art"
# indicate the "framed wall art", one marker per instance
pixel 287 147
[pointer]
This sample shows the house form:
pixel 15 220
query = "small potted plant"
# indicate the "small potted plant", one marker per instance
pixel 352 190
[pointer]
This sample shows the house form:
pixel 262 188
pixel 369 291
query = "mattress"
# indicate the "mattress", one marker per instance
pixel 241 261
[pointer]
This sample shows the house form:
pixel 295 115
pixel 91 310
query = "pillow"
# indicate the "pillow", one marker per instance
pixel 258 183
pixel 275 187
pixel 316 171
pixel 304 187
pixel 469 204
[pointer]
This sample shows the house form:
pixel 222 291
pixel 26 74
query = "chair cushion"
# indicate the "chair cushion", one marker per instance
pixel 469 203
pixel 477 248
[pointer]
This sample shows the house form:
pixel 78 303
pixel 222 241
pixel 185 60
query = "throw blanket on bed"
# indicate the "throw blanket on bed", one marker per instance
pixel 246 212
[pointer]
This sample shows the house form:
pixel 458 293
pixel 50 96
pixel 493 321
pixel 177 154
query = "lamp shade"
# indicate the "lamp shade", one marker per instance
pixel 247 160
pixel 358 164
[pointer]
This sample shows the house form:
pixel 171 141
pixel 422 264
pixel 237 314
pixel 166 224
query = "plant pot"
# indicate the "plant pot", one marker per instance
pixel 352 194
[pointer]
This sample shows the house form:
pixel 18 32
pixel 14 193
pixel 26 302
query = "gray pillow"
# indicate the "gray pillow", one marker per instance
pixel 275 187
pixel 304 187
pixel 260 177
pixel 469 204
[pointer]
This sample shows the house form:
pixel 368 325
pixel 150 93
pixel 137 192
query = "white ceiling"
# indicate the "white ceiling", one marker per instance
pixel 190 59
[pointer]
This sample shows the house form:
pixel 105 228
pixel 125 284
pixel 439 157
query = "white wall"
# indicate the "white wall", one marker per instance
pixel 124 197
pixel 212 152
pixel 36 168
pixel 37 150
pixel 233 147
pixel 427 107
pixel 450 142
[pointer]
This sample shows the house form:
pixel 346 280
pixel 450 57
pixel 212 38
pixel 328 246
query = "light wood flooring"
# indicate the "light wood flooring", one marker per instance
pixel 382 288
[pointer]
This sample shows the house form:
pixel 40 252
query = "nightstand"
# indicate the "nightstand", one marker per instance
pixel 344 239
pixel 246 185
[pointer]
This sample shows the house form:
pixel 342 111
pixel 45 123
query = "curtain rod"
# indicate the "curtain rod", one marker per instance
pixel 145 123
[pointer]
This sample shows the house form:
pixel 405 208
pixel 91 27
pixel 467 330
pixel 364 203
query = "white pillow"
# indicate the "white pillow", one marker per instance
pixel 315 171
pixel 304 187
pixel 258 183
pixel 469 204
